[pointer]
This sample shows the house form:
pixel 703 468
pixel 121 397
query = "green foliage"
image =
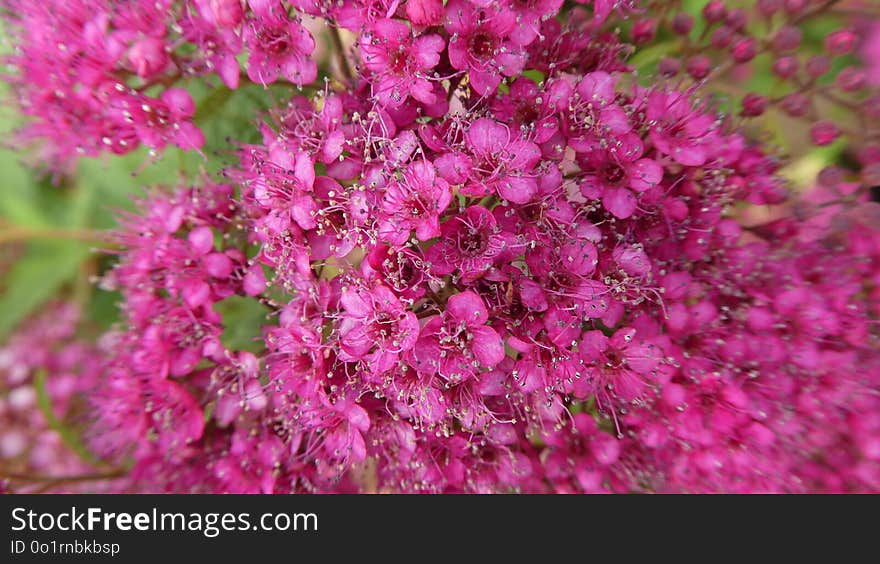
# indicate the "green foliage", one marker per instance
pixel 36 278
pixel 53 229
pixel 242 320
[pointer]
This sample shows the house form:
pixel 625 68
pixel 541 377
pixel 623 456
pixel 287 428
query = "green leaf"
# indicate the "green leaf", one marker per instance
pixel 37 277
pixel 535 75
pixel 243 319
pixel 68 435
pixel 102 310
pixel 17 198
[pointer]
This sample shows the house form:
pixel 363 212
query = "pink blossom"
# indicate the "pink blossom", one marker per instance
pixel 459 343
pixel 680 131
pixel 279 45
pixel 469 244
pixel 500 161
pixel 414 202
pixel 481 44
pixel 376 328
pixel 400 63
pixel 618 175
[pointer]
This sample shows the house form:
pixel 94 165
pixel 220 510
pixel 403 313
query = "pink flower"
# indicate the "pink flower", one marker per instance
pixel 678 129
pixel 148 57
pixel 402 269
pixel 593 114
pixel 175 415
pixel 622 366
pixel 414 202
pixel 603 8
pixel 279 45
pixel 222 13
pixel 375 328
pixel 167 120
pixel 531 109
pixel 499 161
pixel 469 244
pixel 317 133
pixel 285 189
pixel 400 63
pixel 425 12
pixel 457 344
pixel 618 174
pixel 529 16
pixel 490 260
pixel 215 33
pixel 481 44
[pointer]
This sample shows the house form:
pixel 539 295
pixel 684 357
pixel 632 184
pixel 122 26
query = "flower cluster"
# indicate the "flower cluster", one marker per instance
pixel 104 75
pixel 487 256
pixel 490 260
pixel 817 89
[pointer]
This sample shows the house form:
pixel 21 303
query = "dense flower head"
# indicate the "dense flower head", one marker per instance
pixel 105 76
pixel 487 257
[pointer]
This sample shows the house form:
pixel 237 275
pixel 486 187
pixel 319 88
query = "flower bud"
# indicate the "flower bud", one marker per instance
pixel 840 42
pixel 744 50
pixel 796 104
pixel 682 23
pixel 788 38
pixel 699 66
pixel 818 65
pixel 785 67
pixel 736 19
pixel 753 105
pixel 851 79
pixel 722 37
pixel 824 133
pixel 714 11
pixel 669 66
pixel 644 31
pixel 769 7
pixel 795 7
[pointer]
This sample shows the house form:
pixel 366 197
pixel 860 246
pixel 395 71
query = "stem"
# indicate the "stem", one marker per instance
pixel 49 483
pixel 18 233
pixel 339 53
pixel 116 473
pixel 815 11
pixel 68 436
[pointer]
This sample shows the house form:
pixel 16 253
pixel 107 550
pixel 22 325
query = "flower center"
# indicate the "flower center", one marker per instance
pixel 613 357
pixel 482 45
pixel 382 327
pixel 398 61
pixel 613 173
pixel 474 243
pixel 416 207
pixel 275 42
pixel 526 114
